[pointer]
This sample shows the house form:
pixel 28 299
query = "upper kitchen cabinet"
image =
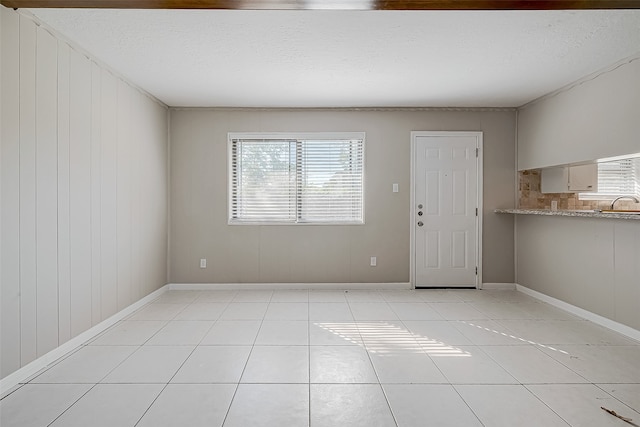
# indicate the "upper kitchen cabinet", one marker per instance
pixel 570 179
pixel 583 178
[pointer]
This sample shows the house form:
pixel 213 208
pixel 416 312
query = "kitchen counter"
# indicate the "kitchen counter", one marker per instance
pixel 581 214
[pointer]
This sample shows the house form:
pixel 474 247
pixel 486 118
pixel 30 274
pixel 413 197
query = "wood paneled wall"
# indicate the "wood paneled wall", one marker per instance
pixel 83 192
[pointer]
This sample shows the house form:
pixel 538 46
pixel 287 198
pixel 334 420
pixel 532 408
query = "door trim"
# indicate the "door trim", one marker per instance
pixel 412 250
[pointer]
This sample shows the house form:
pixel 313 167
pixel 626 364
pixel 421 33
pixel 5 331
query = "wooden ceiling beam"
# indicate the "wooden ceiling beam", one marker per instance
pixel 330 4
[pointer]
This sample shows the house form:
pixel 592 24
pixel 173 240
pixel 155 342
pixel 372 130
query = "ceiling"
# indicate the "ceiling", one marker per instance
pixel 279 58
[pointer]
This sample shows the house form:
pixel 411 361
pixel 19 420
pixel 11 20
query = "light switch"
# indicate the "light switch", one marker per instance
pixel 395 188
pixel 203 263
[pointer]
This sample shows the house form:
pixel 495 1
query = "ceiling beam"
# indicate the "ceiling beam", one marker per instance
pixel 330 4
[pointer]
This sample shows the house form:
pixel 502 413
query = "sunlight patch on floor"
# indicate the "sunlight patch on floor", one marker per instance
pixel 513 336
pixel 383 338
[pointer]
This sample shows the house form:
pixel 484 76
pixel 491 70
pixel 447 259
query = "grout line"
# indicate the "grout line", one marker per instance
pixel 235 392
pixel 72 405
pixel 181 365
pixel 169 381
pixel 55 363
pixel 598 385
pixel 453 386
pixel 153 401
pixel 544 403
pixel 366 350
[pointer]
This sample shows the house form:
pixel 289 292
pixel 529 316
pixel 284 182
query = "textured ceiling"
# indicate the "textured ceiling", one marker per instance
pixel 226 58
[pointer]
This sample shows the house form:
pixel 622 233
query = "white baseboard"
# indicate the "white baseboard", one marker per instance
pixel 585 314
pixel 286 286
pixel 499 286
pixel 21 375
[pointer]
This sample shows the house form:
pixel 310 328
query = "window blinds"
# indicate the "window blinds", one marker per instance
pixel 616 178
pixel 263 181
pixel 296 180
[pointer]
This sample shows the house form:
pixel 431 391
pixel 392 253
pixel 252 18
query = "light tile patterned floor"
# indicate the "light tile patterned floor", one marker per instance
pixel 336 358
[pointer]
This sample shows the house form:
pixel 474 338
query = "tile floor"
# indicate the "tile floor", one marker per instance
pixel 336 358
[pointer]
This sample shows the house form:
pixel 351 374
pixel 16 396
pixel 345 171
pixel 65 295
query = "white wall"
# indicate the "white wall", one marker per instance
pixel 84 192
pixel 324 254
pixel 595 119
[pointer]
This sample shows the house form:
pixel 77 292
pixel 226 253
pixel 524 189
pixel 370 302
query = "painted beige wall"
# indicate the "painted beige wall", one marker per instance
pixel 597 118
pixel 84 193
pixel 323 254
pixel 588 262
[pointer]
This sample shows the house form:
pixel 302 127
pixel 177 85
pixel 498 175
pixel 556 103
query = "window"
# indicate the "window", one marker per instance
pixel 314 178
pixel 616 178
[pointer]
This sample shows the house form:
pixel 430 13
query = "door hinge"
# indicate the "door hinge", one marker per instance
pixel 477 150
pixel 476 211
pixel 476 271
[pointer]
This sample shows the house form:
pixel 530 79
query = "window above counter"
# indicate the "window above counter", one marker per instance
pixel 611 178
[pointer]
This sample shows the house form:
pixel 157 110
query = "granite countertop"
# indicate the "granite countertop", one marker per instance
pixel 582 214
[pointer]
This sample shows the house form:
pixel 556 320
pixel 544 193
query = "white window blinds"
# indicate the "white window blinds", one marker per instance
pixel 616 178
pixel 311 179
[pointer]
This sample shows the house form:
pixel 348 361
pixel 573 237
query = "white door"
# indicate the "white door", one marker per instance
pixel 446 202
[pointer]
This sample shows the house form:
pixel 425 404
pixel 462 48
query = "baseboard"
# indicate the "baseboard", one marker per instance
pixel 21 375
pixel 287 286
pixel 499 286
pixel 585 314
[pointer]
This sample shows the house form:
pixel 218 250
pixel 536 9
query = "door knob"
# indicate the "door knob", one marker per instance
pixel 420 206
pixel 420 223
pixel 419 213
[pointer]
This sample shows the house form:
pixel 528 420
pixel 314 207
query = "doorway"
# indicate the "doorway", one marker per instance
pixel 446 213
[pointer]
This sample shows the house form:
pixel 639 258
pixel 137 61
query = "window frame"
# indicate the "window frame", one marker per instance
pixel 281 136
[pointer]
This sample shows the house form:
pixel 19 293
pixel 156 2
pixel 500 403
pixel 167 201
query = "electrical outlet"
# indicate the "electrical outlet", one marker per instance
pixel 395 188
pixel 554 205
pixel 203 263
pixel 374 261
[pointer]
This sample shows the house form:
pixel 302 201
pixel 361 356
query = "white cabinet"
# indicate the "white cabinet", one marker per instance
pixel 554 180
pixel 583 178
pixel 570 179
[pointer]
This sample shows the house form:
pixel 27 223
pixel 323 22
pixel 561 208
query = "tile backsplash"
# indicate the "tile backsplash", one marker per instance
pixel 530 196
